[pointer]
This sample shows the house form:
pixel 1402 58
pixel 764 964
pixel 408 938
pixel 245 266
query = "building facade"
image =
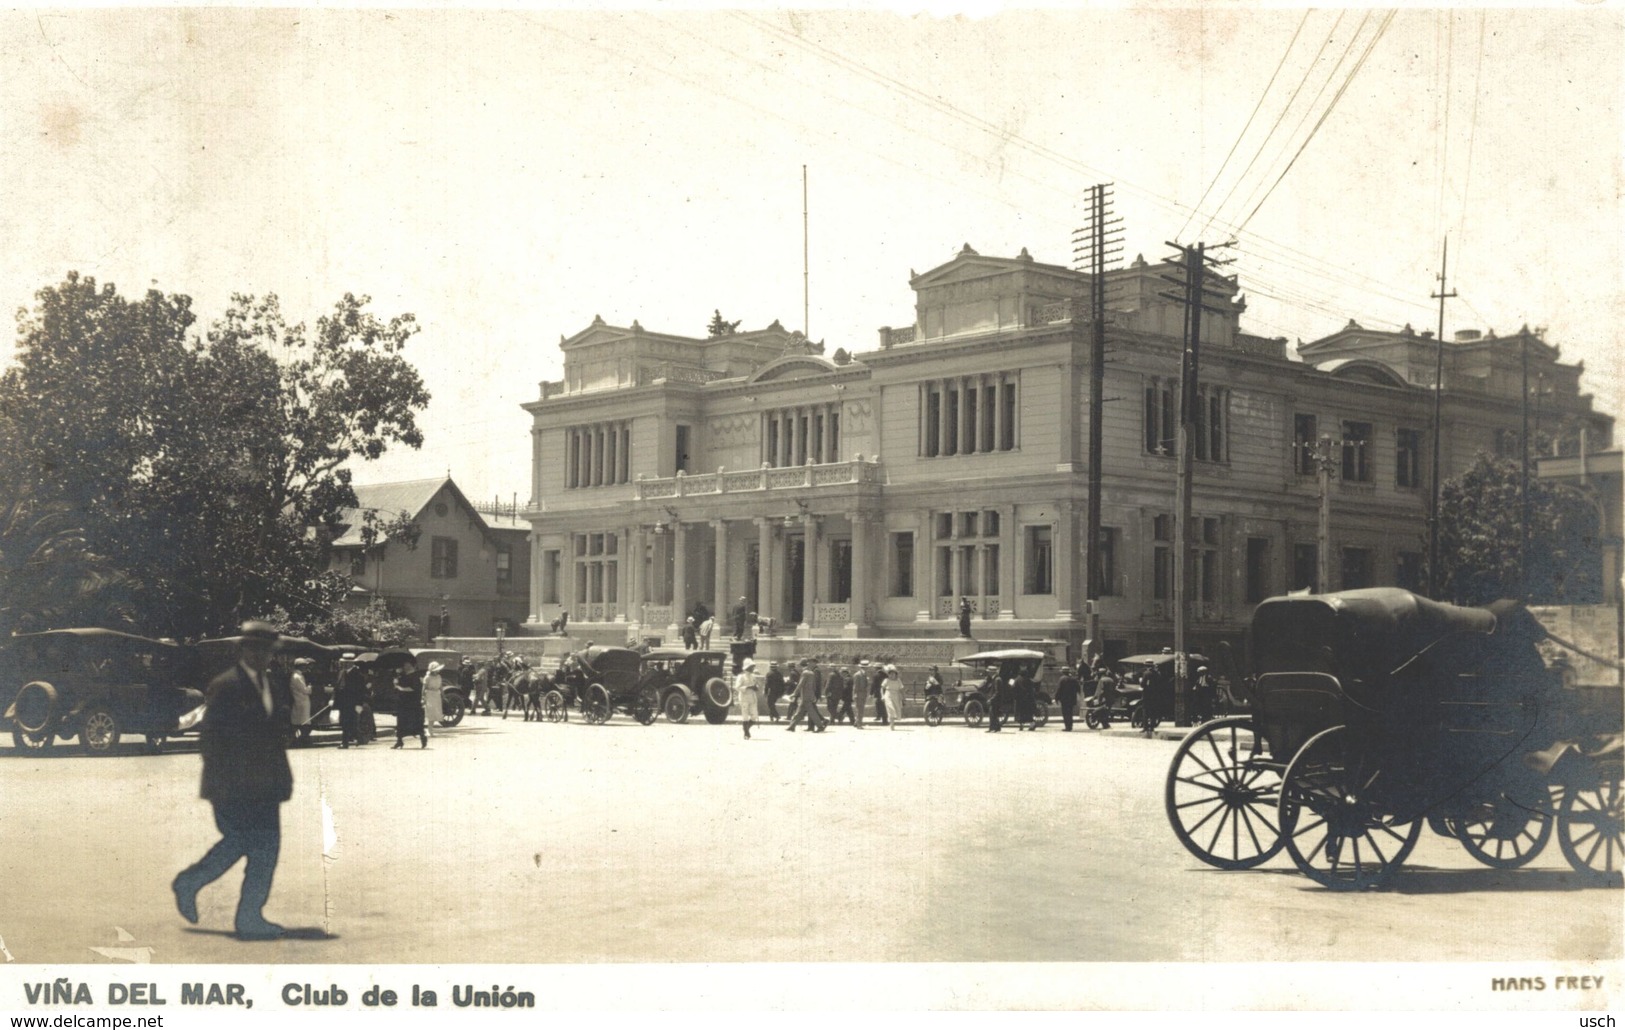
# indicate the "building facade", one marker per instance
pixel 465 574
pixel 866 495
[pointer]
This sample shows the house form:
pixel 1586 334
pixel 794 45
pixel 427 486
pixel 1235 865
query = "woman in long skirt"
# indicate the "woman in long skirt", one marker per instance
pixel 433 697
pixel 409 707
pixel 894 696
pixel 748 688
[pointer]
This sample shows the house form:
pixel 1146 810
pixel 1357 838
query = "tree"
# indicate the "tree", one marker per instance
pixel 720 326
pixel 1480 538
pixel 203 470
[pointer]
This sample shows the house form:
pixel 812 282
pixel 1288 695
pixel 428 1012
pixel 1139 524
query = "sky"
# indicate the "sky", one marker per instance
pixel 508 175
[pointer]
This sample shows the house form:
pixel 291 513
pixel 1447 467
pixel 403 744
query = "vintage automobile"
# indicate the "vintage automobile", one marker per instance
pixel 381 667
pixel 99 685
pixel 970 700
pixel 1376 712
pixel 601 681
pixel 220 653
pixel 1144 693
pixel 688 681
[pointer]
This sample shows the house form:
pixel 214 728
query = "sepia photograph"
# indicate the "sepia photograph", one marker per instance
pixel 543 507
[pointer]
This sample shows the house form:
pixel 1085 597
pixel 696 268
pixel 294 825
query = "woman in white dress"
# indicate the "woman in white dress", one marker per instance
pixel 894 696
pixel 299 714
pixel 748 689
pixel 433 708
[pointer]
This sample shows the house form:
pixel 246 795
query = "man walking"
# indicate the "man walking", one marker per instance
pixel 776 688
pixel 807 698
pixel 740 611
pixel 246 778
pixel 860 692
pixel 1067 690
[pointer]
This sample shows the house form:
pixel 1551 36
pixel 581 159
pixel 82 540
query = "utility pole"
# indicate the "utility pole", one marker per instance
pixel 1193 262
pixel 1523 489
pixel 806 318
pixel 1434 580
pixel 1323 534
pixel 1098 242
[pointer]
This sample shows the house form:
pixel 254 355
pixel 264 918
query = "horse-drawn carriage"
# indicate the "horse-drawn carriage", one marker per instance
pixel 971 699
pixel 600 681
pixel 1375 712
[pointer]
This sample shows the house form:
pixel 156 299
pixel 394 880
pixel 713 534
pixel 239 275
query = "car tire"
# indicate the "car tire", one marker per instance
pixel 718 694
pixel 36 707
pixel 975 711
pixel 452 708
pixel 675 705
pixel 99 731
pixel 25 741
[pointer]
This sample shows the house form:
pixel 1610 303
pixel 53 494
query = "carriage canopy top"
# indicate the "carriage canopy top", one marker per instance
pixel 1374 631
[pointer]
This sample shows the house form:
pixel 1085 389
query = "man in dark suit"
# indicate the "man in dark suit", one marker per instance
pixel 1066 692
pixel 246 778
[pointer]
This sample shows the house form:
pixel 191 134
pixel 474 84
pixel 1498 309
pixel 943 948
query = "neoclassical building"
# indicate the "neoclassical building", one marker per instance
pixel 861 495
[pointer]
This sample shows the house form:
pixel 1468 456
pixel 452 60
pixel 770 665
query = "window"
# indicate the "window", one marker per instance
pixel 809 435
pixel 1258 569
pixel 598 454
pixel 1357 452
pixel 840 571
pixel 443 558
pixel 967 523
pixel 967 553
pixel 1408 570
pixel 902 565
pixel 504 564
pixel 1305 566
pixel 1106 585
pixel 358 563
pixel 1040 567
pixel 1161 418
pixel 550 577
pixel 682 456
pixel 1304 444
pixel 969 415
pixel 1207 561
pixel 1356 568
pixel 1506 443
pixel 1162 558
pixel 1209 426
pixel 1408 458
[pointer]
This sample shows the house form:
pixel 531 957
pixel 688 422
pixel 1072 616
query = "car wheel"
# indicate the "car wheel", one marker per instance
pixel 933 712
pixel 25 741
pixel 975 712
pixel 676 707
pixel 99 732
pixel 718 693
pixel 452 708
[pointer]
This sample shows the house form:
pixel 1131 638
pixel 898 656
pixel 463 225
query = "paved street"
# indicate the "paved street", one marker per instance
pixel 508 842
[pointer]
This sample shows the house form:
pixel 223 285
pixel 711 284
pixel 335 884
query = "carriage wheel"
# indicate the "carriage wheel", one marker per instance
pixel 1333 830
pixel 1589 831
pixel 933 712
pixel 975 712
pixel 1221 797
pixel 553 707
pixel 1041 713
pixel 1091 718
pixel 598 708
pixel 1507 834
pixel 646 707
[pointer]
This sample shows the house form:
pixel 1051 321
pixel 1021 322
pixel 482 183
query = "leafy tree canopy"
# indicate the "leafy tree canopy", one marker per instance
pixel 201 472
pixel 1481 538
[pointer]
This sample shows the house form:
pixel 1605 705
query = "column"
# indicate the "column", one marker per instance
pixel 765 601
pixel 724 603
pixel 925 593
pixel 536 558
pixel 809 574
pixel 535 467
pixel 858 603
pixel 1007 556
pixel 942 418
pixel 998 413
pixel 634 561
pixel 626 455
pixel 964 415
pixel 980 586
pixel 595 457
pixel 1064 556
pixel 623 575
pixel 567 575
pixel 829 432
pixel 679 581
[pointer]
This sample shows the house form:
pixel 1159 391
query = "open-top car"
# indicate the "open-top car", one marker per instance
pixel 98 685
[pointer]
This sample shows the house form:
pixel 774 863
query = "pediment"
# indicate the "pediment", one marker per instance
pixel 1364 370
pixel 795 366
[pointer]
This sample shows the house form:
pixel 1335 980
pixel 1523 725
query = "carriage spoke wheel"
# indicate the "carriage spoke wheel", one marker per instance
pixel 1222 800
pixel 1333 830
pixel 597 704
pixel 553 707
pixel 933 712
pixel 1507 834
pixel 1589 831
